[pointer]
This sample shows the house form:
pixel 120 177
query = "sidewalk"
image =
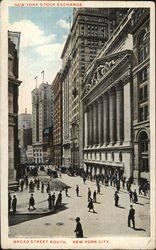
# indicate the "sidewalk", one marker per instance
pixel 41 202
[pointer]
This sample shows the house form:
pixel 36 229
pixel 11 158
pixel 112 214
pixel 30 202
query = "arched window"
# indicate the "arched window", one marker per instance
pixel 143 50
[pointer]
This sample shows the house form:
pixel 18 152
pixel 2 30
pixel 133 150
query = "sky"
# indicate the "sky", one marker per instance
pixel 43 34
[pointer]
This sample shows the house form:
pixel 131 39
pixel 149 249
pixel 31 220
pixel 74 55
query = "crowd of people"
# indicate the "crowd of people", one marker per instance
pixel 53 202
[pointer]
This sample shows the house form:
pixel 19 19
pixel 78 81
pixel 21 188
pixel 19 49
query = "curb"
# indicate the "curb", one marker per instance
pixel 31 213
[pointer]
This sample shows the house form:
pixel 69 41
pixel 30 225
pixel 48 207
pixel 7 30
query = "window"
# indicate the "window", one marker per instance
pixel 143 113
pixel 143 146
pixel 143 50
pixel 82 49
pixel 11 103
pixel 142 75
pixel 143 93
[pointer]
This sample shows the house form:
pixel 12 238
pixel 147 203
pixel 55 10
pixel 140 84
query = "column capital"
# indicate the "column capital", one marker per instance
pixel 95 103
pixel 119 85
pixel 105 95
pixel 112 91
pixel 100 99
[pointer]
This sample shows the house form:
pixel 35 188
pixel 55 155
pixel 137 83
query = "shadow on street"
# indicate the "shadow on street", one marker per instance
pixel 15 219
pixel 139 229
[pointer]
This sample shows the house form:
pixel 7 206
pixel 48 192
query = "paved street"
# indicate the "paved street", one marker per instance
pixel 107 221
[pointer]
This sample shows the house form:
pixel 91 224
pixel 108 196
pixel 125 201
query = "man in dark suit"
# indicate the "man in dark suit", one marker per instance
pixel 78 230
pixel 131 216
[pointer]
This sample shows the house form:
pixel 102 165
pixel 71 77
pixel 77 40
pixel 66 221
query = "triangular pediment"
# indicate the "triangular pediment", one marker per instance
pixel 102 67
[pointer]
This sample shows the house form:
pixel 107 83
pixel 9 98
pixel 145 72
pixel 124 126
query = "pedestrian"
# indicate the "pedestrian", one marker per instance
pixel 9 201
pixel 33 186
pixel 91 177
pixel 84 179
pixel 123 183
pixel 130 195
pixel 77 190
pixel 42 187
pixel 53 199
pixel 94 196
pixel 140 189
pixel 60 174
pixel 131 216
pixel 31 202
pixel 128 185
pixel 26 183
pixel 89 193
pixel 66 190
pixel 90 205
pixel 118 186
pixel 30 186
pixel 111 180
pixel 14 203
pixel 78 230
pixel 60 197
pixel 50 202
pixel 38 184
pixel 48 187
pixel 98 188
pixel 116 198
pixel 21 184
pixel 135 196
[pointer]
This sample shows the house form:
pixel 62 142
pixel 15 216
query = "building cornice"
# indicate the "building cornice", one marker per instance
pixel 14 81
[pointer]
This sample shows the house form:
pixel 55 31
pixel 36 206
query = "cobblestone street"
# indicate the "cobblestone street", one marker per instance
pixel 107 221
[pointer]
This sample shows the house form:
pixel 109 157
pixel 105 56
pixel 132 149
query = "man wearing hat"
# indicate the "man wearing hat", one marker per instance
pixel 78 230
pixel 131 216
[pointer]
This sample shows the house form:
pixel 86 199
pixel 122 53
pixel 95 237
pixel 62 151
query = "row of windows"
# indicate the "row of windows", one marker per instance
pixel 89 42
pixel 94 155
pixel 92 50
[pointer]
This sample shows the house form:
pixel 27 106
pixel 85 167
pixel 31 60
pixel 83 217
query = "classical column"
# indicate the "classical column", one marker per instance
pixel 105 119
pixel 112 116
pixel 86 131
pixel 88 126
pixel 100 121
pixel 95 122
pixel 119 113
pixel 91 131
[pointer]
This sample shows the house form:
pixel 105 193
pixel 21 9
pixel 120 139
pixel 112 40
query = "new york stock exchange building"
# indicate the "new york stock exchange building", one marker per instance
pixel 115 102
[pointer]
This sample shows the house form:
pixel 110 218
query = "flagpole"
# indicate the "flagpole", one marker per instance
pixel 35 78
pixel 42 76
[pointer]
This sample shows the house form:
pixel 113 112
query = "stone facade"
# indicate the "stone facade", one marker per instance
pixel 110 105
pixel 57 129
pixel 66 102
pixel 24 134
pixel 42 112
pixel 141 92
pixel 13 85
pixel 90 30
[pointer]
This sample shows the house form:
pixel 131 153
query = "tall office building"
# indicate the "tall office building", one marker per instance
pixel 42 112
pixel 13 85
pixel 90 30
pixel 141 93
pixel 66 102
pixel 57 126
pixel 25 120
